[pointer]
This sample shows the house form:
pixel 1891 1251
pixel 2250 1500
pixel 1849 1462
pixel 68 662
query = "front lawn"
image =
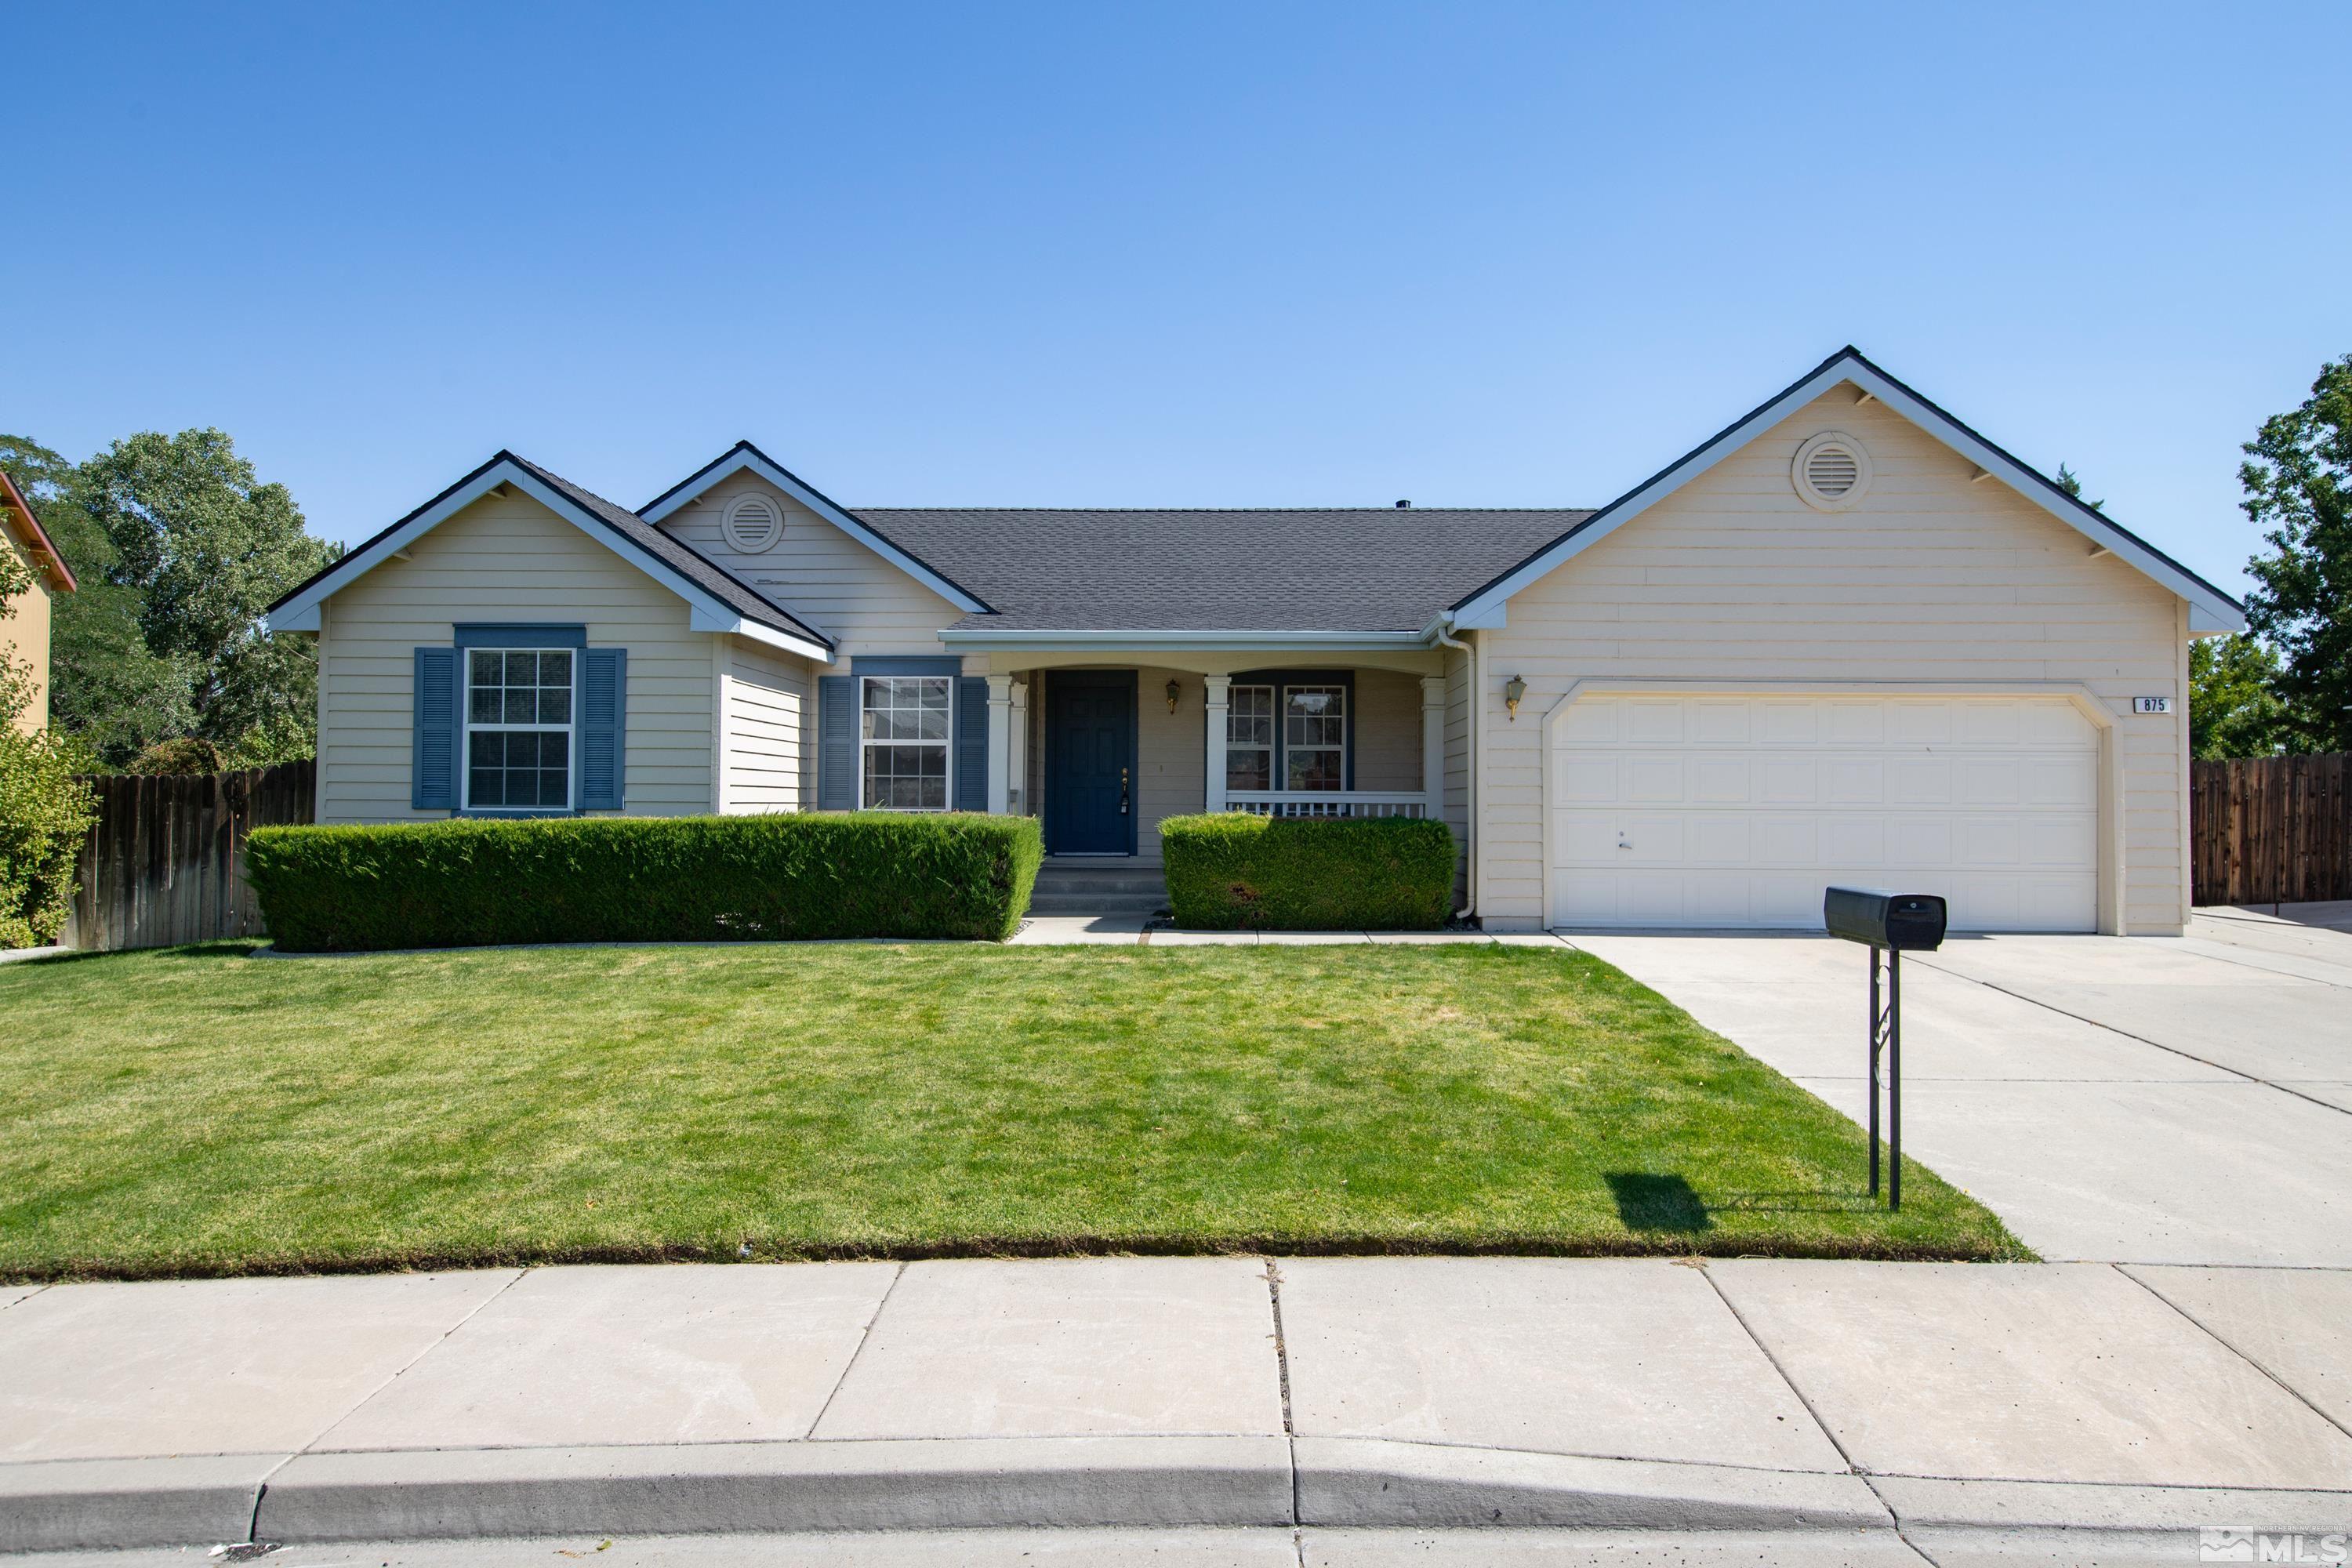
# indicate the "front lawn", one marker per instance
pixel 197 1111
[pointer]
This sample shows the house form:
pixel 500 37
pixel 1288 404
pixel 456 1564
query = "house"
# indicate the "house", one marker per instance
pixel 25 627
pixel 1847 638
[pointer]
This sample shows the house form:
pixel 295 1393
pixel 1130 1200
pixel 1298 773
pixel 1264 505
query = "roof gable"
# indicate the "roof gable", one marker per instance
pixel 719 602
pixel 2211 610
pixel 744 455
pixel 27 526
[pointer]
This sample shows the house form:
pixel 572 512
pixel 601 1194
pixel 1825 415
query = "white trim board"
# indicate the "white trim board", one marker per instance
pixel 746 457
pixel 1182 641
pixel 298 612
pixel 2211 611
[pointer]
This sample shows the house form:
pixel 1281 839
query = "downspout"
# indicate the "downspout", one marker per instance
pixel 1440 630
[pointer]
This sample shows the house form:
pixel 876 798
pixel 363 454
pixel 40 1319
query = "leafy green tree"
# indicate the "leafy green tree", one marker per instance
pixel 107 690
pixel 2298 484
pixel 2233 707
pixel 180 548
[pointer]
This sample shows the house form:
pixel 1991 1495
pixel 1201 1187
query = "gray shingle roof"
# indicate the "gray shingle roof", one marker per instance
pixel 1340 569
pixel 697 568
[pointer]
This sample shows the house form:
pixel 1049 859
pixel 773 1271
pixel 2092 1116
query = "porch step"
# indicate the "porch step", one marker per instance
pixel 1096 903
pixel 1118 887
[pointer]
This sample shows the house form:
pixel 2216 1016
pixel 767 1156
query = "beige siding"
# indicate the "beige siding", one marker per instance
pixel 1932 578
pixel 24 631
pixel 766 727
pixel 1171 751
pixel 506 558
pixel 1458 780
pixel 845 590
pixel 1388 731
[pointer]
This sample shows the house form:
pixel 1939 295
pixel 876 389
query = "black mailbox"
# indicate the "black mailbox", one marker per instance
pixel 1901 922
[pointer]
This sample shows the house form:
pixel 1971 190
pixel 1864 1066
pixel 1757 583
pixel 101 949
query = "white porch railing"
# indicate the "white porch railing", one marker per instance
pixel 1328 801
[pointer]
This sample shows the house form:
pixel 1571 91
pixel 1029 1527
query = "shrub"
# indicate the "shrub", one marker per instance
pixel 1235 871
pixel 680 879
pixel 44 812
pixel 181 754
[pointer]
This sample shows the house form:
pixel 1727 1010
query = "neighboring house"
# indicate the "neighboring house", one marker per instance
pixel 25 627
pixel 1846 639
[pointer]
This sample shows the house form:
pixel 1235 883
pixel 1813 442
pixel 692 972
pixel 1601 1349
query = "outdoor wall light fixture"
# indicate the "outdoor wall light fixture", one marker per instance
pixel 1513 691
pixel 1175 691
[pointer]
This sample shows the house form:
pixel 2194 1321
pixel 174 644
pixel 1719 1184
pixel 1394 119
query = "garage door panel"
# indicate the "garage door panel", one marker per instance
pixel 1919 840
pixel 1587 775
pixel 1721 781
pixel 1653 721
pixel 1854 781
pixel 1919 781
pixel 1650 779
pixel 1782 722
pixel 1786 840
pixel 1732 811
pixel 1787 781
pixel 1722 838
pixel 1856 723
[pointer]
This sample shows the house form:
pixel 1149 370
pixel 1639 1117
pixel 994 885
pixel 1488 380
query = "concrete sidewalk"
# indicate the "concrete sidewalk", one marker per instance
pixel 1860 1404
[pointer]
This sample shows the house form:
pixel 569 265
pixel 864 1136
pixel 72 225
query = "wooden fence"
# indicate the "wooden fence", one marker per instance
pixel 2270 829
pixel 167 862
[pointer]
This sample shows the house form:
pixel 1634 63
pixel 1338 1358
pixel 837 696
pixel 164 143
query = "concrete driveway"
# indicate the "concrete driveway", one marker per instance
pixel 2151 1099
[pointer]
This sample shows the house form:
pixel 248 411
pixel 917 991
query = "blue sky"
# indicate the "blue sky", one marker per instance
pixel 1197 255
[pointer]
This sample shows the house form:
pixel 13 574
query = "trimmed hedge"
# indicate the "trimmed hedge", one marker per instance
pixel 1236 872
pixel 676 878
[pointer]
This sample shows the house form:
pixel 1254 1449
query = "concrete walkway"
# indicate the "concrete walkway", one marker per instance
pixel 2154 1100
pixel 1863 1406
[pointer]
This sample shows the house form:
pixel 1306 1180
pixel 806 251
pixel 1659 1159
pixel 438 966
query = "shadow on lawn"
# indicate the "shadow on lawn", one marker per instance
pixel 1656 1202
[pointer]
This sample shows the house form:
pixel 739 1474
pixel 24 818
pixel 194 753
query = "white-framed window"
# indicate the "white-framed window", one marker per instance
pixel 1249 736
pixel 519 729
pixel 1315 737
pixel 903 731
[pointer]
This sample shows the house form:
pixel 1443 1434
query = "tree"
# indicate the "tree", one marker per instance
pixel 2072 483
pixel 2233 708
pixel 107 690
pixel 2298 484
pixel 180 547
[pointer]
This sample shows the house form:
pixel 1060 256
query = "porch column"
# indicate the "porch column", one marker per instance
pixel 1000 744
pixel 1432 743
pixel 1219 688
pixel 1017 772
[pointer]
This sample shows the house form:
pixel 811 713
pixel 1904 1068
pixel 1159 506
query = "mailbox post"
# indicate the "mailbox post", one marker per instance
pixel 1889 924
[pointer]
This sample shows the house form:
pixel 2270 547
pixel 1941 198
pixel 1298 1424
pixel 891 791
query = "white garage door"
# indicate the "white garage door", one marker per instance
pixel 1738 811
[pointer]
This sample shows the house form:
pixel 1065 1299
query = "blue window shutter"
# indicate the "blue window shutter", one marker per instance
pixel 836 751
pixel 971 743
pixel 604 727
pixel 436 729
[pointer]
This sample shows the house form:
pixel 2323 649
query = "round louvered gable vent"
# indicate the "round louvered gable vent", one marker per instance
pixel 1832 471
pixel 753 523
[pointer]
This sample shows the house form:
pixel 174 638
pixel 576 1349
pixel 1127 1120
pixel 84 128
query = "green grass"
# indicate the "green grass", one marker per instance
pixel 194 1112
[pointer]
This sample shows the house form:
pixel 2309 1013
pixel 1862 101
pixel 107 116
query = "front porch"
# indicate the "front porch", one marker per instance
pixel 1102 753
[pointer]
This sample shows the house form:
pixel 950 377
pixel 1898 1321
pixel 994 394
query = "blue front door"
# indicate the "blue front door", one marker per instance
pixel 1090 761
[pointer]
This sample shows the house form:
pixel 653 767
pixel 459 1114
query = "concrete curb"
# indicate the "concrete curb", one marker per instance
pixel 59 1505
pixel 2065 1505
pixel 1366 1481
pixel 737 1486
pixel 1145 1483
